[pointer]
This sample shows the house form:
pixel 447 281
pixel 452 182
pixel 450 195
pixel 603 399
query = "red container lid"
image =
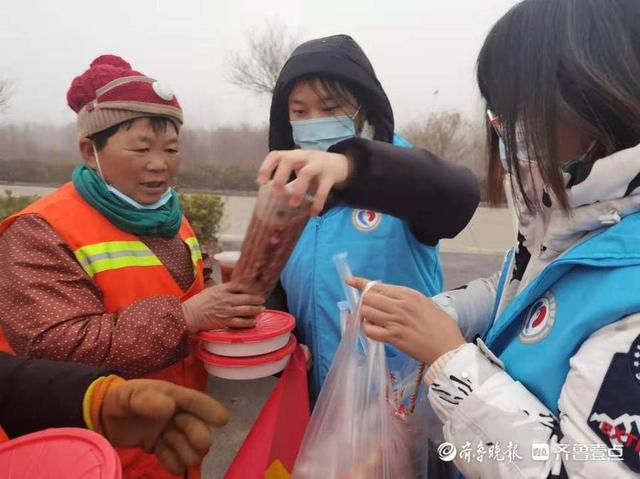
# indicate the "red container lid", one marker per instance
pixel 67 452
pixel 269 324
pixel 242 362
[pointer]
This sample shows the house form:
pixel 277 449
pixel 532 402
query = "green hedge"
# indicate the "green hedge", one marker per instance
pixel 205 213
pixel 10 204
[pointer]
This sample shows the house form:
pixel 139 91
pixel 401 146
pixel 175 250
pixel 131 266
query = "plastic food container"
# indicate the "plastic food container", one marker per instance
pixel 251 367
pixel 271 333
pixel 227 260
pixel 272 234
pixel 65 453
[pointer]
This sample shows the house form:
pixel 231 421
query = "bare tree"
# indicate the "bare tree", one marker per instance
pixel 257 67
pixel 452 137
pixel 4 95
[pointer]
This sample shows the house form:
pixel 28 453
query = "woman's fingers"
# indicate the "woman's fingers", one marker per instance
pixel 314 180
pixel 358 283
pixel 376 316
pixel 288 162
pixel 281 177
pixel 246 311
pixel 269 164
pixel 243 299
pixel 240 323
pixel 299 187
pixel 375 332
pixel 381 302
pixel 321 195
pixel 395 292
pixel 316 172
pixel 392 291
pixel 235 288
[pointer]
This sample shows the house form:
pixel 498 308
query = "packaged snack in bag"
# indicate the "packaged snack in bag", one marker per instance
pixel 272 234
pixel 368 420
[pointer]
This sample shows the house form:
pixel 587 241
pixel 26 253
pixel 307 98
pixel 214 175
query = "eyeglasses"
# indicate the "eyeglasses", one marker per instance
pixel 591 154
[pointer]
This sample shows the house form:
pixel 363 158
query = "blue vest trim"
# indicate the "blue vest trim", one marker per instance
pixel 576 295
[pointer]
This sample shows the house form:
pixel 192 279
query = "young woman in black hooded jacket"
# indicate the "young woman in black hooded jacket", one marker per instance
pixel 387 211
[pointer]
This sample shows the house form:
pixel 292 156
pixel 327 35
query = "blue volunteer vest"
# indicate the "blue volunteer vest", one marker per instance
pixel 378 247
pixel 589 287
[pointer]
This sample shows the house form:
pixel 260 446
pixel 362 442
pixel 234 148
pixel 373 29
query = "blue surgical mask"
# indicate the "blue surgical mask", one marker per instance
pixel 523 153
pixel 322 133
pixel 166 196
pixel 164 199
pixel 521 145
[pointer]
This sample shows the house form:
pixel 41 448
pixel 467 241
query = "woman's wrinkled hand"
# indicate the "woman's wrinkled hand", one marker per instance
pixel 222 306
pixel 317 172
pixel 408 320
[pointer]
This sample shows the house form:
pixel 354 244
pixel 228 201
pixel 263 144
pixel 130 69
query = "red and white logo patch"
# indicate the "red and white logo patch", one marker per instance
pixel 539 319
pixel 366 220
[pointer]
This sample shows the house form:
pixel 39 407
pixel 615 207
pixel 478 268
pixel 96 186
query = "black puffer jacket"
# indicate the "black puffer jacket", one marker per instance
pixel 37 394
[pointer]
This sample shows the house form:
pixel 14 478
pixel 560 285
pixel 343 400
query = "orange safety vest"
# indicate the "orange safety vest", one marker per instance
pixel 126 271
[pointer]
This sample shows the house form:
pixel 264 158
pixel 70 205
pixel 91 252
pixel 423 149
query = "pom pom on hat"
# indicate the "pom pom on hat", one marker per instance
pixel 102 102
pixel 103 69
pixel 113 60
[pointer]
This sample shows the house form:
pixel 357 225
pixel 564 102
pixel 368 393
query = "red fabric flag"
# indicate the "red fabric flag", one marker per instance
pixel 271 447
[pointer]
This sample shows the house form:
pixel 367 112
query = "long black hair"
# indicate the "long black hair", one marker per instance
pixel 574 63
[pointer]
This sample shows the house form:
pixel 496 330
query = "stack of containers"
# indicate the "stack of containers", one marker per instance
pixel 265 349
pixel 250 353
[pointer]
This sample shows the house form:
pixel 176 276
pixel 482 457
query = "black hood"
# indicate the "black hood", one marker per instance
pixel 337 57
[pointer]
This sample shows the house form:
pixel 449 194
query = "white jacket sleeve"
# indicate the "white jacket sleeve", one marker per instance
pixel 471 306
pixel 502 431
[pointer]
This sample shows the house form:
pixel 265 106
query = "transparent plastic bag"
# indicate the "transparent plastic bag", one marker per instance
pixel 272 234
pixel 368 420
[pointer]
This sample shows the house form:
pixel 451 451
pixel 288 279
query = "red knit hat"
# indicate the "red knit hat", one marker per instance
pixel 111 92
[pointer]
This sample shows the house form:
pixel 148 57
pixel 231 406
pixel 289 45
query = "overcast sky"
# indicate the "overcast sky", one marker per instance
pixel 417 47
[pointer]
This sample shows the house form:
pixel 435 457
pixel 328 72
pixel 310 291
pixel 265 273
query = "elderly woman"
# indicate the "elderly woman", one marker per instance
pixel 106 270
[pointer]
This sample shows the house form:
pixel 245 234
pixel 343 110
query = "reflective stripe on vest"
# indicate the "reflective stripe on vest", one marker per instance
pixel 194 246
pixel 99 257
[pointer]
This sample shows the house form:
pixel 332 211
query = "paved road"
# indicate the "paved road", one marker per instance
pixel 460 268
pixel 489 232
pixel 245 398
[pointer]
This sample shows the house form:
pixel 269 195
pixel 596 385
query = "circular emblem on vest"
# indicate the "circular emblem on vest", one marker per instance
pixel 539 319
pixel 366 220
